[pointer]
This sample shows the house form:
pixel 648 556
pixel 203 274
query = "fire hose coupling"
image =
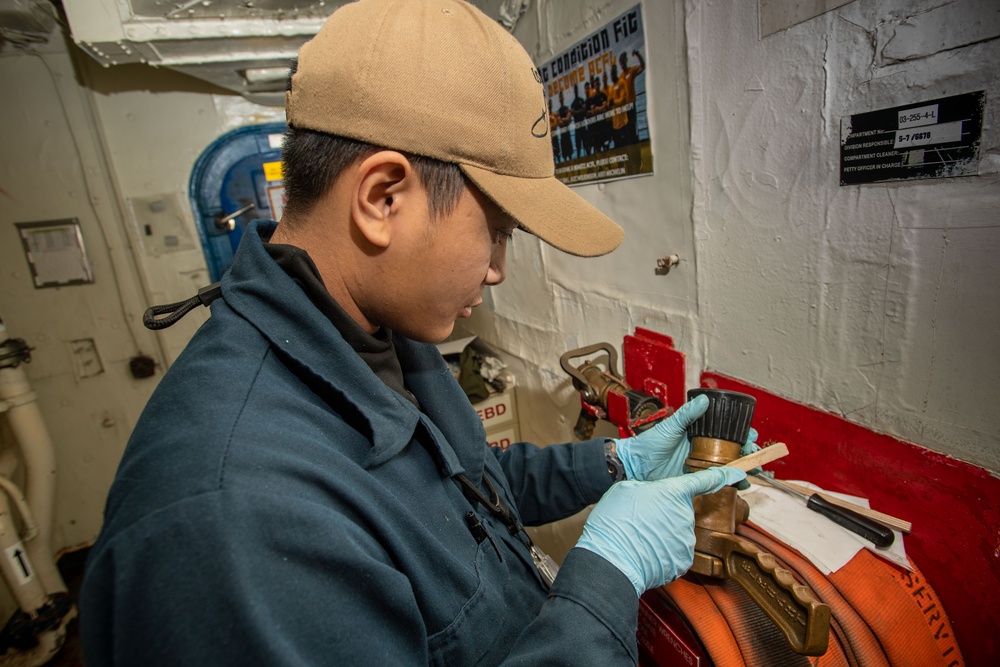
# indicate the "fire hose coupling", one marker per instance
pixel 717 436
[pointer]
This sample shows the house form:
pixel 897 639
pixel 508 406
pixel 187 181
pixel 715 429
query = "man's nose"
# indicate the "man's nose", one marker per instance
pixel 498 265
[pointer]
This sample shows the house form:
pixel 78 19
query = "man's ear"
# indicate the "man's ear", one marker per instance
pixel 382 180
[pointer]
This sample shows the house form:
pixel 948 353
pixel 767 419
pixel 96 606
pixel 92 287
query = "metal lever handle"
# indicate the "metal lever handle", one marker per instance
pixel 801 618
pixel 564 360
pixel 228 222
pixel 579 380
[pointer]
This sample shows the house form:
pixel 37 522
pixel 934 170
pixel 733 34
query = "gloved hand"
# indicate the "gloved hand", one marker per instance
pixel 749 447
pixel 659 452
pixel 646 529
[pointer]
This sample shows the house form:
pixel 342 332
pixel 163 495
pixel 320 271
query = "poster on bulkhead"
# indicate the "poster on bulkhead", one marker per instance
pixel 596 92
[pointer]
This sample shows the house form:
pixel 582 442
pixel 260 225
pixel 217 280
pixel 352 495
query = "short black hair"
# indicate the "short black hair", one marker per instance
pixel 312 161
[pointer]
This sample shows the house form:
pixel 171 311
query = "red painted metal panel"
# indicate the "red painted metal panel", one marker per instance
pixel 618 413
pixel 649 354
pixel 954 506
pixel 664 638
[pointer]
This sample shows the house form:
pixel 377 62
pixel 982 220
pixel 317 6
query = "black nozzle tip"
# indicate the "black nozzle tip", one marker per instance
pixel 728 416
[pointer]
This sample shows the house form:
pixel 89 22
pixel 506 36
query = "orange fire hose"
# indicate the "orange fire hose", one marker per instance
pixel 759 645
pixel 697 606
pixel 860 643
pixel 901 609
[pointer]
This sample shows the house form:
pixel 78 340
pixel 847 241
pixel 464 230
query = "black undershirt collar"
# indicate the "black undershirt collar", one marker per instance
pixel 376 349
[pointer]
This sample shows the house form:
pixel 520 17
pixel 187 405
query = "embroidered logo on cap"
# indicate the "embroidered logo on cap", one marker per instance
pixel 545 111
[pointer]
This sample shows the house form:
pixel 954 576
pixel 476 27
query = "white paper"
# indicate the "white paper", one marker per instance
pixel 822 542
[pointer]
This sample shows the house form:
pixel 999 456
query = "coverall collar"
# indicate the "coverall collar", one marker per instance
pixel 261 292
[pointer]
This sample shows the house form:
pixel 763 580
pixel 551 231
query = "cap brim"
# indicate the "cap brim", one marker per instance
pixel 551 211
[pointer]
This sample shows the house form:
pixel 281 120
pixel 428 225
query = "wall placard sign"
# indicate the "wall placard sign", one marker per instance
pixel 934 139
pixel 55 252
pixel 596 96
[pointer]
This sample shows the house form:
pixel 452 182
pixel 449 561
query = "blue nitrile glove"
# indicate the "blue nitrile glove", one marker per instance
pixel 659 452
pixel 749 447
pixel 646 529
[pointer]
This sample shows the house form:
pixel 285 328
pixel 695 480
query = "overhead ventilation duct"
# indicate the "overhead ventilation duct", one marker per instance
pixel 24 22
pixel 242 45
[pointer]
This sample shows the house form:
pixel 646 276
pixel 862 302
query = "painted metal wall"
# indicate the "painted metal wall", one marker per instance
pixel 114 148
pixel 52 167
pixel 155 123
pixel 877 302
pixel 552 302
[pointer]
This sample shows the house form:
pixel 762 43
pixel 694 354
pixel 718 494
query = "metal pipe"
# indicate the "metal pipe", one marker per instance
pixel 16 565
pixel 8 457
pixel 15 494
pixel 29 429
pixel 29 570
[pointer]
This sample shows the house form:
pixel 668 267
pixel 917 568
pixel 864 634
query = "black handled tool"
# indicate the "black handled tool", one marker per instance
pixel 876 533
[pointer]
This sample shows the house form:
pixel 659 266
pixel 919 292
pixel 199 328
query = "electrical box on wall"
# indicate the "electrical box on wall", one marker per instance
pixel 55 252
pixel 160 224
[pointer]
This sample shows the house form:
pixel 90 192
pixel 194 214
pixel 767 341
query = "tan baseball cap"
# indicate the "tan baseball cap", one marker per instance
pixel 441 79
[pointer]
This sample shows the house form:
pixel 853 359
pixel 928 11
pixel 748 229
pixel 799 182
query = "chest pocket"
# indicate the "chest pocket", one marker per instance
pixel 477 636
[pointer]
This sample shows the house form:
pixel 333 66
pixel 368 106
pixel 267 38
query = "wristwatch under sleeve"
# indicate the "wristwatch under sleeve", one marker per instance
pixel 615 468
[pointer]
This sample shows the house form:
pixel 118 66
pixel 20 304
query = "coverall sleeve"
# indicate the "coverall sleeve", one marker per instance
pixel 590 618
pixel 591 613
pixel 554 482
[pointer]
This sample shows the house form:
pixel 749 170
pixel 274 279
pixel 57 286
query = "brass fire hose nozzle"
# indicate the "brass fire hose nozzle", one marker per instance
pixel 716 439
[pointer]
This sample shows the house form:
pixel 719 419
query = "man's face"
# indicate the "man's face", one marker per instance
pixel 441 266
pixel 623 59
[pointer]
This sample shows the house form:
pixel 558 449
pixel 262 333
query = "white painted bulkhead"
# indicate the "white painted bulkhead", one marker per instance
pixel 877 302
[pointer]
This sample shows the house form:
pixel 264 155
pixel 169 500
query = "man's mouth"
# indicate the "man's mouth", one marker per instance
pixel 467 310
